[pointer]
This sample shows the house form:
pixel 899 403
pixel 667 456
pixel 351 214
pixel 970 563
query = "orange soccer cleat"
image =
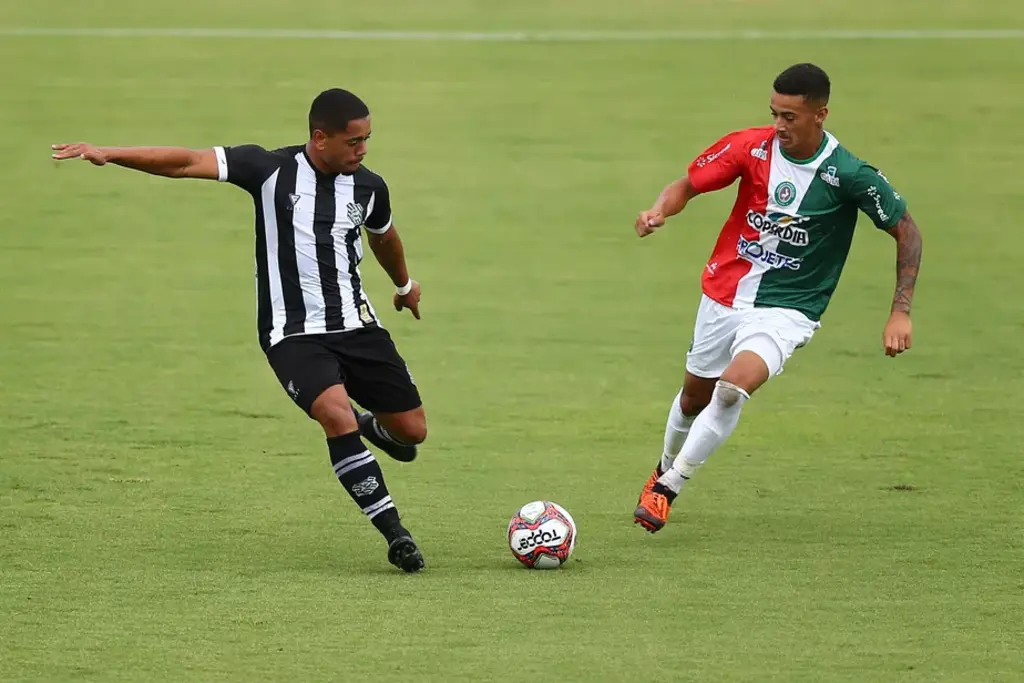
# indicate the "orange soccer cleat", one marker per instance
pixel 649 484
pixel 652 512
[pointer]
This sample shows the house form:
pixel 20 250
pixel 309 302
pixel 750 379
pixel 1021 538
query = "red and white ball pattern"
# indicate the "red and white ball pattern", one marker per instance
pixel 542 535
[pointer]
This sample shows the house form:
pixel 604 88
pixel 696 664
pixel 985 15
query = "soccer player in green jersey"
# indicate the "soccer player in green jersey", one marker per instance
pixel 774 268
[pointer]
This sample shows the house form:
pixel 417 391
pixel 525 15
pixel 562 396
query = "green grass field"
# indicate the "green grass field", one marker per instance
pixel 166 513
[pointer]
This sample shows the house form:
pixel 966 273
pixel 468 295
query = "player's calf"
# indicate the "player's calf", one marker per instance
pixel 711 428
pixel 360 475
pixel 686 405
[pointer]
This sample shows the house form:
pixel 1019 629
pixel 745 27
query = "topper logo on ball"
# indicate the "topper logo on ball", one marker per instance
pixel 542 537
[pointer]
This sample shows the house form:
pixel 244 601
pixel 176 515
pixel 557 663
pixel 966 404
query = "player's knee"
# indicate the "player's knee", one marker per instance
pixel 336 422
pixel 334 413
pixel 417 435
pixel 728 394
pixel 413 431
pixel 696 394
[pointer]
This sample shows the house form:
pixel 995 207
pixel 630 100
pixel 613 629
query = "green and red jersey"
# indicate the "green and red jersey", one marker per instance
pixel 789 234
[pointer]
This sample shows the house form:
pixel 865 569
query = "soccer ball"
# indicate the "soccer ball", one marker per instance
pixel 542 535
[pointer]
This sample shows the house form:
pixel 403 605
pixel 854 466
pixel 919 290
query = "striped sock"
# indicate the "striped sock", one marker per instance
pixel 383 433
pixel 360 475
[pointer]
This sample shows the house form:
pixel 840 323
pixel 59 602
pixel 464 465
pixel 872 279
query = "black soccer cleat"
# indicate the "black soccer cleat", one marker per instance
pixel 405 554
pixel 400 452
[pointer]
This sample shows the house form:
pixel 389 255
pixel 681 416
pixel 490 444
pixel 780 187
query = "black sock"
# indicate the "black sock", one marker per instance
pixel 360 475
pixel 665 491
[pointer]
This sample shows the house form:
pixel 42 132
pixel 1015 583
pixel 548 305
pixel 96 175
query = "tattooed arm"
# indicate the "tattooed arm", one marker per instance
pixel 896 336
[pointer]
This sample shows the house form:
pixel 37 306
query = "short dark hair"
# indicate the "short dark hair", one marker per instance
pixel 807 80
pixel 333 109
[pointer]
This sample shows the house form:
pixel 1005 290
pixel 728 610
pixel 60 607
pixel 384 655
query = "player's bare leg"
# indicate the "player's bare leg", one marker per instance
pixel 745 374
pixel 361 476
pixel 686 406
pixel 327 411
pixel 397 434
pixel 409 427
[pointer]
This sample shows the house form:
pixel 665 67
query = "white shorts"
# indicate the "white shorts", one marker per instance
pixel 722 332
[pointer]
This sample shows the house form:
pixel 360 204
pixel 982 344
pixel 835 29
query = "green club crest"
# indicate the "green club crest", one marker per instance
pixel 785 193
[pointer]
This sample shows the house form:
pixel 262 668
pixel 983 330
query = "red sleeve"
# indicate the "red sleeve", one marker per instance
pixel 720 164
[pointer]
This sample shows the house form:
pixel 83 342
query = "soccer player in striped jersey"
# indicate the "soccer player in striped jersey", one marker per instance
pixel 773 269
pixel 315 322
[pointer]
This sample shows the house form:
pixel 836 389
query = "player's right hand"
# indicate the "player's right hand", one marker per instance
pixel 80 150
pixel 649 221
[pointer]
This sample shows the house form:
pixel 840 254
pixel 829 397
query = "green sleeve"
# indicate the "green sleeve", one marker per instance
pixel 876 197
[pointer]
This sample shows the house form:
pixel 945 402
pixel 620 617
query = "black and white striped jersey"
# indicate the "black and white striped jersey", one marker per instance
pixel 308 246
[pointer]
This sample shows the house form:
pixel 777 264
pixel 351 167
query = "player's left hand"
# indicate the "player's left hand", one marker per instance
pixel 410 300
pixel 896 336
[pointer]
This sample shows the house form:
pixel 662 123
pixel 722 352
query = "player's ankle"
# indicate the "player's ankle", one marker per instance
pixel 389 525
pixel 665 491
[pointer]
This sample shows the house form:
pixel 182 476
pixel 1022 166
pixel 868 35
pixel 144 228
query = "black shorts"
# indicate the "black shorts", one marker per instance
pixel 364 360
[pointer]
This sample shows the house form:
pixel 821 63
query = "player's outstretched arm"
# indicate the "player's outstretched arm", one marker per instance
pixel 896 336
pixel 171 162
pixel 671 201
pixel 387 248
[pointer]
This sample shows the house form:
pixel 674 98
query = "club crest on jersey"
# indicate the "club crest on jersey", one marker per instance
pixel 785 193
pixel 355 213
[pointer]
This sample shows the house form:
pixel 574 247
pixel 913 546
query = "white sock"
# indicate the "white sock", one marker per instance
pixel 676 429
pixel 709 431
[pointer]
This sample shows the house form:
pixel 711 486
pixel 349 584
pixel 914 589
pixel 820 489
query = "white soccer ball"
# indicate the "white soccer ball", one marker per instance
pixel 542 535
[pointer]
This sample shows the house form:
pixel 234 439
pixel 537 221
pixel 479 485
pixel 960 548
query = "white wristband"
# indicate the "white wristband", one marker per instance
pixel 404 289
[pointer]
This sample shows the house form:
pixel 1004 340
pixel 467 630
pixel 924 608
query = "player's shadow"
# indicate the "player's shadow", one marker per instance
pixel 493 564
